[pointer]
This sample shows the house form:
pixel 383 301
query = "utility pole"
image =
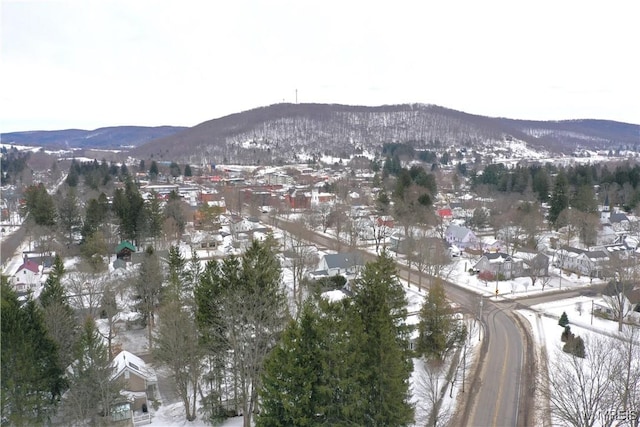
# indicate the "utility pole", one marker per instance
pixel 296 96
pixel 464 365
pixel 480 320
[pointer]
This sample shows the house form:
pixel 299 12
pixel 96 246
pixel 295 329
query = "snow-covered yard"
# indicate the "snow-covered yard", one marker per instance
pixel 544 318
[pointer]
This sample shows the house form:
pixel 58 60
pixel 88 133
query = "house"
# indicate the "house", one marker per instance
pixel 500 264
pixel 341 264
pixel 460 236
pixel 237 224
pixel 493 245
pixel 445 213
pixel 619 219
pixel 385 221
pixel 208 241
pixel 593 263
pixel 320 198
pixel 27 276
pixel 298 199
pixel 124 251
pixel 580 261
pixel 139 381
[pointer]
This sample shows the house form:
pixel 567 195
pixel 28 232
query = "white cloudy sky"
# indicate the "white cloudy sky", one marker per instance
pixel 87 64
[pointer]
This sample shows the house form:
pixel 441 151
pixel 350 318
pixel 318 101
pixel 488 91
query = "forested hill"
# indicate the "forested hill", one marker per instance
pixel 290 132
pixel 107 137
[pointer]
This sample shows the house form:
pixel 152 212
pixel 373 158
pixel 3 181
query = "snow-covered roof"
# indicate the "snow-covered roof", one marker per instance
pixel 129 361
pixel 333 296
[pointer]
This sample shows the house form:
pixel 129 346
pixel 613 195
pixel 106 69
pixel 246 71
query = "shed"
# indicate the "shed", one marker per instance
pixel 124 251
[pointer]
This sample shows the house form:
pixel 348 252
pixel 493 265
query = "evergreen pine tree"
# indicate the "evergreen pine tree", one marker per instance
pixel 40 206
pixel 92 388
pixel 59 317
pixel 154 216
pixel 245 320
pixel 69 219
pixel 564 319
pixel 153 170
pixel 32 378
pixel 148 288
pixel 291 382
pixel 212 332
pixel 439 331
pixel 380 302
pixel 176 273
pixel 559 197
pixel 316 375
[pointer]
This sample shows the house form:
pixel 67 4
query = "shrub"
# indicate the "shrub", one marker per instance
pixel 567 335
pixel 575 346
pixel 487 276
pixel 564 319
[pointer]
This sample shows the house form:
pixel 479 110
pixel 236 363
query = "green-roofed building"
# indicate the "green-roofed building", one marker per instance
pixel 124 251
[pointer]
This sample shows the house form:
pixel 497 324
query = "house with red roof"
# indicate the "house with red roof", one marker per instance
pixel 445 213
pixel 27 276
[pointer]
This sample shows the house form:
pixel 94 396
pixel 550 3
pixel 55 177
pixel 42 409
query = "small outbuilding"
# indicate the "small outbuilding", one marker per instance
pixel 124 251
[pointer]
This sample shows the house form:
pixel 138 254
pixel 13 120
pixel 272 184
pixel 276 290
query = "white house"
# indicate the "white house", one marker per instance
pixel 460 236
pixel 580 261
pixel 27 276
pixel 341 264
pixel 498 263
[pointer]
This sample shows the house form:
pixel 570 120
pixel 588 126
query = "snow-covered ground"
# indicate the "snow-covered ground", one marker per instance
pixel 458 273
pixel 544 318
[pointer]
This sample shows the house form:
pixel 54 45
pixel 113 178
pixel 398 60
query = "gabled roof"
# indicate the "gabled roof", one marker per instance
pixel 129 361
pixel 538 260
pixel 445 212
pixel 342 261
pixel 596 255
pixel 31 266
pixel 458 232
pixel 573 250
pixel 498 257
pixel 618 217
pixel 126 245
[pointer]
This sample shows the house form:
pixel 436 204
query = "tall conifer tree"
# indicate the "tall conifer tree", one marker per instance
pixel 32 380
pixel 380 301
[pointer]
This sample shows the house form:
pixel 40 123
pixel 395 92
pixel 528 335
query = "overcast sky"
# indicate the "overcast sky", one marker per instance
pixel 88 64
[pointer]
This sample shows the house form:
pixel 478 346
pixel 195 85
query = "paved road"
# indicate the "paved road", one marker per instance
pixel 498 394
pixel 11 243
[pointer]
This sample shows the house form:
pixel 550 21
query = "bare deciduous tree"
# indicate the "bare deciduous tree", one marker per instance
pixel 85 291
pixel 623 271
pixel 176 345
pixel 302 257
pixel 627 381
pixel 429 389
pixel 580 390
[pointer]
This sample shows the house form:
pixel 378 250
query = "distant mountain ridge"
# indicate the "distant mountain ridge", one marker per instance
pixel 106 138
pixel 283 133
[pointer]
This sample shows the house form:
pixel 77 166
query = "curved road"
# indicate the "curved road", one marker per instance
pixel 498 393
